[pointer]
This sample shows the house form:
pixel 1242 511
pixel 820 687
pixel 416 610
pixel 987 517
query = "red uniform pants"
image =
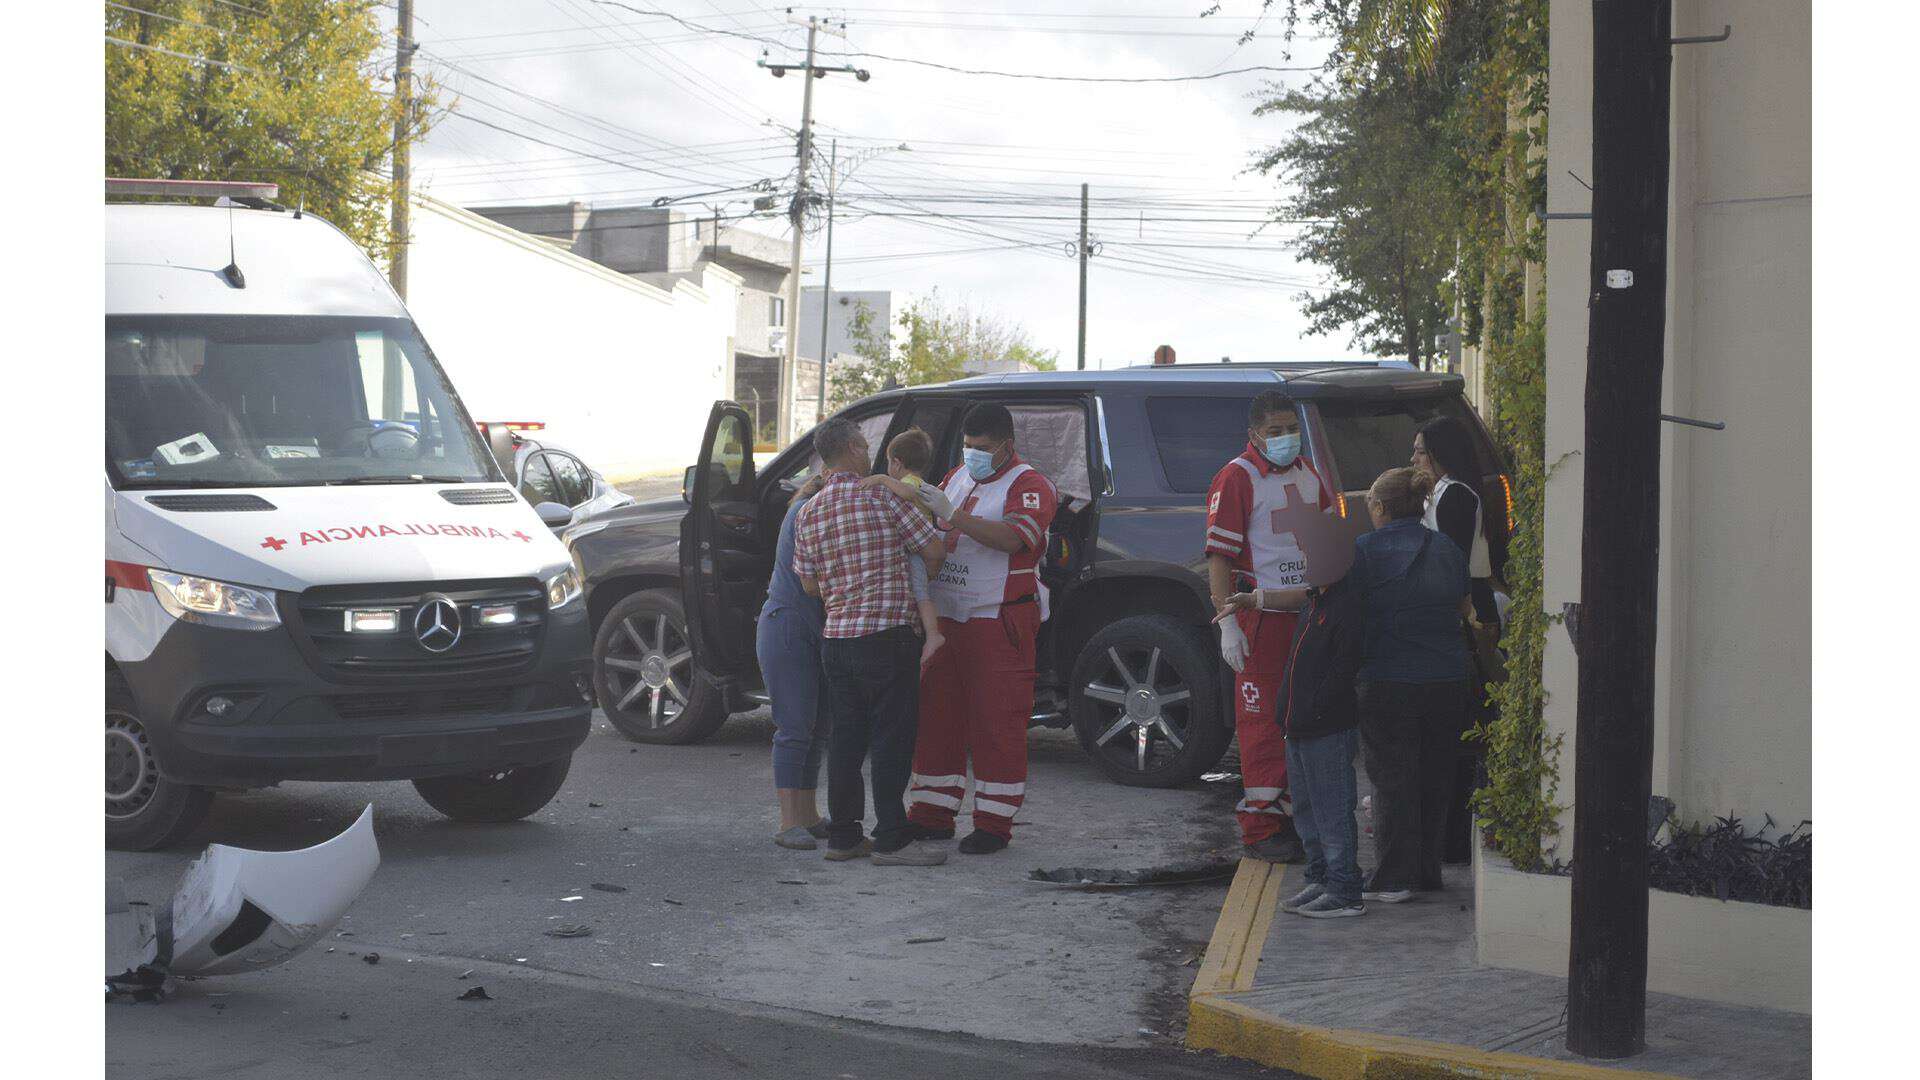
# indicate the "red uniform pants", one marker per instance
pixel 1263 746
pixel 975 699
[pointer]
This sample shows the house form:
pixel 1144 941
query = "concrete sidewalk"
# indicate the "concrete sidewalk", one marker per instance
pixel 1397 993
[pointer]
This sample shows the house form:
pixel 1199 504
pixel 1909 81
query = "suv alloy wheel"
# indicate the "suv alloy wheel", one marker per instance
pixel 644 675
pixel 1145 702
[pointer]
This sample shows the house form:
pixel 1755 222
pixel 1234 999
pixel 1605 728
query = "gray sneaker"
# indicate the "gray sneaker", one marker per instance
pixel 913 853
pixel 1328 907
pixel 799 838
pixel 1308 895
pixel 1388 896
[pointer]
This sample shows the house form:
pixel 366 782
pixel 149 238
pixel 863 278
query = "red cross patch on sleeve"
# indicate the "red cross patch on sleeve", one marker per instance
pixel 1030 500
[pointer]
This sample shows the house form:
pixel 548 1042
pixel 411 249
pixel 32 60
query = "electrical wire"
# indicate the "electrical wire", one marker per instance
pixel 691 25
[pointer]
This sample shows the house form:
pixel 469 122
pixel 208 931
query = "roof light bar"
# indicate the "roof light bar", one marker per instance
pixel 193 189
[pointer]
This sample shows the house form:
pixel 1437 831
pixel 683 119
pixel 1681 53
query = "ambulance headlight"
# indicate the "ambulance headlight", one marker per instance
pixel 563 588
pixel 214 603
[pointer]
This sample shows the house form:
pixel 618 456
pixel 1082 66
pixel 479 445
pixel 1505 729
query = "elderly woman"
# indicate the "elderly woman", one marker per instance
pixel 787 642
pixel 1413 691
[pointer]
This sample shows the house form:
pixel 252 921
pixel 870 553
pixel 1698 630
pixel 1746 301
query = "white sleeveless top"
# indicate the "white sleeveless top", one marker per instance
pixel 1479 563
pixel 974 580
pixel 1278 561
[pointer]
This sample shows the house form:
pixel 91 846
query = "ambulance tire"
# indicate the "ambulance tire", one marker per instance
pixel 651 626
pixel 492 798
pixel 1187 664
pixel 146 811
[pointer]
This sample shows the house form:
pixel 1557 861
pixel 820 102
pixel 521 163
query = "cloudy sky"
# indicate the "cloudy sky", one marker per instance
pixel 578 99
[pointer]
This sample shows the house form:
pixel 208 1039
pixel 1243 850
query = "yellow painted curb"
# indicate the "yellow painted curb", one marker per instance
pixel 1241 931
pixel 1217 1022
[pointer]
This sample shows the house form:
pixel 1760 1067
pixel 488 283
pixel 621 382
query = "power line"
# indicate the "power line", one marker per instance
pixel 470 118
pixel 691 25
pixel 183 56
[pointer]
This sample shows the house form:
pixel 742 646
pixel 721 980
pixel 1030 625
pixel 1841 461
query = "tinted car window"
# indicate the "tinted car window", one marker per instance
pixel 1195 436
pixel 537 482
pixel 1369 437
pixel 575 488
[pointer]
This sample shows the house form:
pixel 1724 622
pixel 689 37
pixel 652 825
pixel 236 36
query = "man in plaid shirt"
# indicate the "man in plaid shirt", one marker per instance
pixel 850 549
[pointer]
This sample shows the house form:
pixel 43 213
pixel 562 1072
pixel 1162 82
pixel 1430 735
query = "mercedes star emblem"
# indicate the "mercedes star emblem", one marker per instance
pixel 436 624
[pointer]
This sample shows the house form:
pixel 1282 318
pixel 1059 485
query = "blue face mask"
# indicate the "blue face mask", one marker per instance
pixel 1283 449
pixel 979 462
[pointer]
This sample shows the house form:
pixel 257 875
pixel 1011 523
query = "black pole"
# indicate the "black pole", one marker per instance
pixel 1620 528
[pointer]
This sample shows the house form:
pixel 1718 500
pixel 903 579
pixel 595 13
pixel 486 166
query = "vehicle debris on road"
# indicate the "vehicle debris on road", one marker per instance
pixel 1080 877
pixel 238 910
pixel 569 931
pixel 475 993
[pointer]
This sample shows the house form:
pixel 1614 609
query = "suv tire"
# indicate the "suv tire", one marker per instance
pixel 507 795
pixel 1154 675
pixel 645 677
pixel 144 809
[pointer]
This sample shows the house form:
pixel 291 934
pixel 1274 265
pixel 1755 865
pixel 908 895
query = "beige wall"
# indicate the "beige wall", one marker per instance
pixel 1732 720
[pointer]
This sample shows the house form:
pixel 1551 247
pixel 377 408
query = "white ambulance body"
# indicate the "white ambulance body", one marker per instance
pixel 315 568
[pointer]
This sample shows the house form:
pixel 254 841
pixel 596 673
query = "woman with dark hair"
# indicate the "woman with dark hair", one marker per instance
pixel 1444 451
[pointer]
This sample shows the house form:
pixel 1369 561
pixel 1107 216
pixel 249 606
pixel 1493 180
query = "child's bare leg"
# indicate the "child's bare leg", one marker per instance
pixel 930 623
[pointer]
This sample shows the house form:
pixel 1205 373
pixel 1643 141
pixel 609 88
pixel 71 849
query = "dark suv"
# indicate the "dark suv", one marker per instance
pixel 1127 657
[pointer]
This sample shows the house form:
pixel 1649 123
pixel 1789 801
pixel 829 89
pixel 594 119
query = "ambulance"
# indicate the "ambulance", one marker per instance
pixel 315 568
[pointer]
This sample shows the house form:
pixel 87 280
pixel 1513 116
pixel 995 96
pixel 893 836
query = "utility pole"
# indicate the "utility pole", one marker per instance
pixel 403 48
pixel 798 212
pixel 1082 353
pixel 826 287
pixel 1620 528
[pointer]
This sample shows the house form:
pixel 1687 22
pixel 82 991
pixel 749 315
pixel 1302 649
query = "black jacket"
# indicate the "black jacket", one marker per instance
pixel 1317 694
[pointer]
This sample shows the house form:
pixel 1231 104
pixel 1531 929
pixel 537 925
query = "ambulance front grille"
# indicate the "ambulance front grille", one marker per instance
pixel 321 621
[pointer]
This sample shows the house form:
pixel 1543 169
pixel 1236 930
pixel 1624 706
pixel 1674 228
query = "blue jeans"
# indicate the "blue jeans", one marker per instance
pixel 788 644
pixel 1320 775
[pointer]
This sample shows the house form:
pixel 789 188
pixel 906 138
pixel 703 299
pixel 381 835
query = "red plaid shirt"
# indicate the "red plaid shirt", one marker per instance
pixel 855 543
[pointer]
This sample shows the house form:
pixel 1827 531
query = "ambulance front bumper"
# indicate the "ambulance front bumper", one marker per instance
pixel 231 708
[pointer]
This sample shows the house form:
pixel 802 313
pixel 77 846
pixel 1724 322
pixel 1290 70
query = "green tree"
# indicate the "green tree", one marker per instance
pixel 284 91
pixel 937 342
pixel 1369 168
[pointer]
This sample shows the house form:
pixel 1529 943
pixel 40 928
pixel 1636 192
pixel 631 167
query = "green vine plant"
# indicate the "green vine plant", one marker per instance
pixel 1472 77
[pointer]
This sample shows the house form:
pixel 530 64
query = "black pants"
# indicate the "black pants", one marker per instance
pixel 873 697
pixel 1468 775
pixel 1410 738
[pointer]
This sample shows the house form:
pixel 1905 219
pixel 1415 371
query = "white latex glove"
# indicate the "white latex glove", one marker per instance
pixel 1233 645
pixel 936 501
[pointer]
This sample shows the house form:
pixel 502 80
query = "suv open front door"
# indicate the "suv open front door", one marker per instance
pixel 721 564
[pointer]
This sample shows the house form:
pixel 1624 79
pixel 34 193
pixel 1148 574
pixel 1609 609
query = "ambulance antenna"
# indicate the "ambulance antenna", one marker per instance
pixel 232 270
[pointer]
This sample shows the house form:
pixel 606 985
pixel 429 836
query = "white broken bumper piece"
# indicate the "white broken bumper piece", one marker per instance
pixel 239 910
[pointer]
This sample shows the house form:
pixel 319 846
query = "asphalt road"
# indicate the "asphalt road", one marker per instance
pixel 723 955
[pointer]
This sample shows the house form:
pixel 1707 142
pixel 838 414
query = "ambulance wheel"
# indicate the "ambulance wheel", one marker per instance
pixel 644 674
pixel 144 809
pixel 506 795
pixel 1145 702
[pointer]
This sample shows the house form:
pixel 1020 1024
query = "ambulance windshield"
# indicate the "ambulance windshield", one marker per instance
pixel 275 401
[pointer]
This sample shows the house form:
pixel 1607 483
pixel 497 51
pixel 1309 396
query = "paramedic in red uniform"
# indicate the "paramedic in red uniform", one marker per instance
pixel 1248 546
pixel 977 693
